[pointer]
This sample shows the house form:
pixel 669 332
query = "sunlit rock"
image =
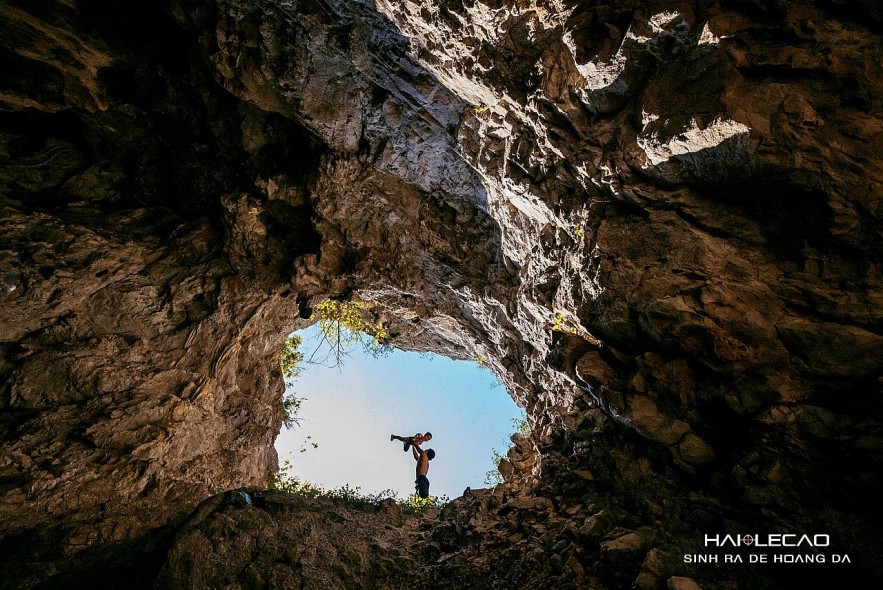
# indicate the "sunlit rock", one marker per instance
pixel 659 224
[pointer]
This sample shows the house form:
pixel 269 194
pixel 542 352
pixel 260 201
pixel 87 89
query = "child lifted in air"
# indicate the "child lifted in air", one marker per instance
pixel 416 440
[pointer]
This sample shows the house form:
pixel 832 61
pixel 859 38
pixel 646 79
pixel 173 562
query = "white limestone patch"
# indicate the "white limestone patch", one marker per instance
pixel 647 118
pixel 598 74
pixel 691 140
pixel 608 180
pixel 489 130
pixel 662 21
pixel 707 37
pixel 608 75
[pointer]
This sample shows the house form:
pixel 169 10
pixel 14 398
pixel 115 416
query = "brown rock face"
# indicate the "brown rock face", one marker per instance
pixel 658 221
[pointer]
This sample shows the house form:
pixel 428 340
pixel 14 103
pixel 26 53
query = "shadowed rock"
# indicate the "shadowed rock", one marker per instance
pixel 659 224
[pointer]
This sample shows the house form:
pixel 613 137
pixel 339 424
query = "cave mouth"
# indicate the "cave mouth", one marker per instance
pixel 348 411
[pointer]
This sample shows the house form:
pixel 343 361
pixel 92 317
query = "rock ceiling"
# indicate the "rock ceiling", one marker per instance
pixel 658 221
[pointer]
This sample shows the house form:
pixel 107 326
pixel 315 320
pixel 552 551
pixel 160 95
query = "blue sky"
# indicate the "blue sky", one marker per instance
pixel 350 413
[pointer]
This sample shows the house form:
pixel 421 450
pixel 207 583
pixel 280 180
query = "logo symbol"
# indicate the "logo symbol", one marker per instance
pixel 747 539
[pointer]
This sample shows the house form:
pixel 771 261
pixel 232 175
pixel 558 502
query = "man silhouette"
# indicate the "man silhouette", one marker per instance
pixel 423 458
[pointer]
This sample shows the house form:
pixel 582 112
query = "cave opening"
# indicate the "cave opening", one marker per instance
pixel 341 432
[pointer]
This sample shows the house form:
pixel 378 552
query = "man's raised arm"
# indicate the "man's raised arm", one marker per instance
pixel 415 449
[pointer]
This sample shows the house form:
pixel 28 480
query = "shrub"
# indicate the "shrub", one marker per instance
pixel 414 504
pixel 291 357
pixel 494 477
pixel 521 426
pixel 290 360
pixel 343 326
pixel 285 481
pixel 290 407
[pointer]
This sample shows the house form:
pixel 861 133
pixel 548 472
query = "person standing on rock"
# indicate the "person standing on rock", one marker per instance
pixel 418 439
pixel 423 458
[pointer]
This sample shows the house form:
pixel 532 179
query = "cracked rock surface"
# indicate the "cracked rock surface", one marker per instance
pixel 658 221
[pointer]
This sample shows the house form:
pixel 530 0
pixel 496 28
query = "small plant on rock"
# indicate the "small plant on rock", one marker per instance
pixel 494 477
pixel 562 325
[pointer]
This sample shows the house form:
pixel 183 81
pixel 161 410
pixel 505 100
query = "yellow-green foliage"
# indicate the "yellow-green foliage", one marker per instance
pixel 494 477
pixel 343 326
pixel 290 408
pixel 291 358
pixel 415 504
pixel 521 425
pixel 285 481
pixel 562 325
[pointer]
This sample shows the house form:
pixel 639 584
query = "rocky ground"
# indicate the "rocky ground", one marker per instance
pixel 658 221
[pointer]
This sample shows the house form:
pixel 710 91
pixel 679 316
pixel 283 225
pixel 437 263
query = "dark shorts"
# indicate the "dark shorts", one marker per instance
pixel 422 486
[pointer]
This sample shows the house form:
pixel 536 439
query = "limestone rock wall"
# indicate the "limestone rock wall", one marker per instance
pixel 142 309
pixel 658 221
